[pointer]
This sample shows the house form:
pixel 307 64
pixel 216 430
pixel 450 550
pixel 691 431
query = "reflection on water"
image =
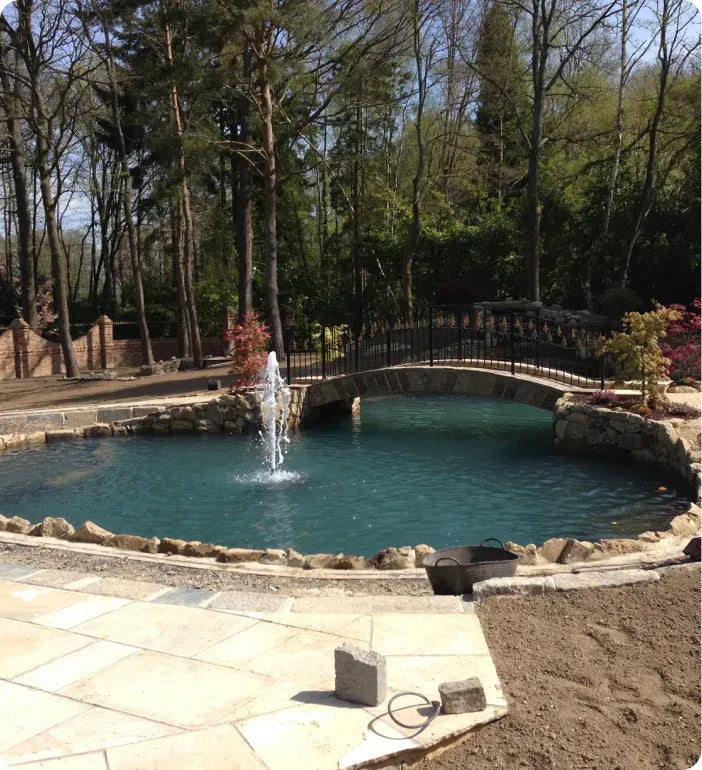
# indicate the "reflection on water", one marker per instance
pixel 443 470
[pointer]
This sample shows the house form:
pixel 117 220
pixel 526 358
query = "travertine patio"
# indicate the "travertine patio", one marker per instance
pixel 107 673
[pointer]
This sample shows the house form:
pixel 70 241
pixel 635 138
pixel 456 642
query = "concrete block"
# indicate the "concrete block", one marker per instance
pixel 513 586
pixel 114 415
pixel 462 696
pixel 572 581
pixel 359 675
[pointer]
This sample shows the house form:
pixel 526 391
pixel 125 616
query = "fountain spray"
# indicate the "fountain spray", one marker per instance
pixel 275 427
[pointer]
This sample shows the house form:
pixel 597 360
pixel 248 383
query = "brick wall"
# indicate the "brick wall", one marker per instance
pixel 23 353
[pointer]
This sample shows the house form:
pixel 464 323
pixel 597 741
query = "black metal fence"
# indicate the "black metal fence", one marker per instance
pixel 521 342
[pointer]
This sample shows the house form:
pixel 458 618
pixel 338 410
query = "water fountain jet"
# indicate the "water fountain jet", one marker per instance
pixel 274 413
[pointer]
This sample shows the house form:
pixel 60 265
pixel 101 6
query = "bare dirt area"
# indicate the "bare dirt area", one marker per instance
pixel 54 392
pixel 605 678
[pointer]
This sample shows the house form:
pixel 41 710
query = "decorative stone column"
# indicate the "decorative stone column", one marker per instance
pixel 20 341
pixel 107 348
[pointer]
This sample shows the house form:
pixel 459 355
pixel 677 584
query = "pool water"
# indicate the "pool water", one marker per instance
pixel 443 470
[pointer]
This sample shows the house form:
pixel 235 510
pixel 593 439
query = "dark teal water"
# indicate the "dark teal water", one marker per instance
pixel 410 469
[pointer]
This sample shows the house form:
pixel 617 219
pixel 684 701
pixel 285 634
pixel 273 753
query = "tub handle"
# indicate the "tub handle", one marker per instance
pixel 497 540
pixel 448 558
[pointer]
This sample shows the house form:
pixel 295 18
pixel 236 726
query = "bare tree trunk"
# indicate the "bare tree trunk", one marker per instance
pixel 357 321
pixel 188 234
pixel 147 354
pixel 645 199
pixel 599 245
pixel 58 264
pixel 244 229
pixel 270 240
pixel 179 273
pixel 24 219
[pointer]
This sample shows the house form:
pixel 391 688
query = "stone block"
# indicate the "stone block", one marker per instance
pixel 683 525
pixel 182 426
pixel 90 532
pixel 126 542
pixel 420 551
pixel 185 413
pixel 650 536
pixel 561 428
pixel 202 550
pixel 572 581
pixel 359 675
pixel 318 560
pixel 575 550
pixel 348 561
pixel 44 418
pixel 619 545
pixel 463 696
pixel 513 586
pixel 3 523
pixel 171 545
pixel 274 556
pixel 237 555
pixel 232 426
pixel 528 554
pixel 51 527
pixel 151 546
pixel 61 435
pixel 392 558
pixel 38 437
pixel 552 548
pixel 114 415
pixel 575 431
pixel 120 430
pixel 18 525
pixel 630 441
pixel 97 430
pixel 294 559
pixel 577 418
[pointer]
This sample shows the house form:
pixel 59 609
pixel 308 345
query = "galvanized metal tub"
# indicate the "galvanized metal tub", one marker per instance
pixel 454 570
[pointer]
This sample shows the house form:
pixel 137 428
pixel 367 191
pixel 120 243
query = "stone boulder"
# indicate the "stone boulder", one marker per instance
pixel 97 430
pixel 171 545
pixel 294 559
pixel 18 525
pixel 528 554
pixel 201 550
pixel 318 561
pixel 62 434
pixel 392 558
pixel 51 527
pixel 575 550
pixel 151 546
pixel 619 546
pixel 3 523
pixel 552 548
pixel 90 532
pixel 348 561
pixel 274 556
pixel 420 551
pixel 692 549
pixel 238 555
pixel 126 542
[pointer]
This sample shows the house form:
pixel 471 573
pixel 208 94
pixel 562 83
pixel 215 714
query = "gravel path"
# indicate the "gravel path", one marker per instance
pixel 216 578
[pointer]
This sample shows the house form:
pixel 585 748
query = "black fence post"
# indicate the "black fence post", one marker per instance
pixel 536 337
pixel 511 340
pixel 431 336
pixel 324 352
pixel 355 352
pixel 460 334
pixel 388 351
pixel 603 383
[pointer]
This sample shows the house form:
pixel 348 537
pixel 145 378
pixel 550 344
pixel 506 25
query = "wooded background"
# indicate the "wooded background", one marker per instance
pixel 347 160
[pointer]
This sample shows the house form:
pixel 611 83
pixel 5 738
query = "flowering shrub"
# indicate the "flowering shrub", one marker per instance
pixel 638 349
pixel 683 345
pixel 604 398
pixel 685 411
pixel 250 345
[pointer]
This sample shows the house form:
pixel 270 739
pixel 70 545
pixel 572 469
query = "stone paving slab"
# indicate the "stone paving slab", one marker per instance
pixel 187 597
pixel 15 571
pixel 604 579
pixel 374 604
pixel 156 684
pixel 242 601
pixel 55 578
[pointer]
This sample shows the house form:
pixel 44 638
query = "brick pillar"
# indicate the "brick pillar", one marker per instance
pixel 20 342
pixel 229 321
pixel 107 348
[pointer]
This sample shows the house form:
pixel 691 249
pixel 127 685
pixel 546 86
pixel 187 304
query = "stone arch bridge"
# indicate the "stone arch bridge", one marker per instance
pixel 339 393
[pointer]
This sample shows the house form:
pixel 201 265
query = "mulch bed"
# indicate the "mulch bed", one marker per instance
pixel 664 411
